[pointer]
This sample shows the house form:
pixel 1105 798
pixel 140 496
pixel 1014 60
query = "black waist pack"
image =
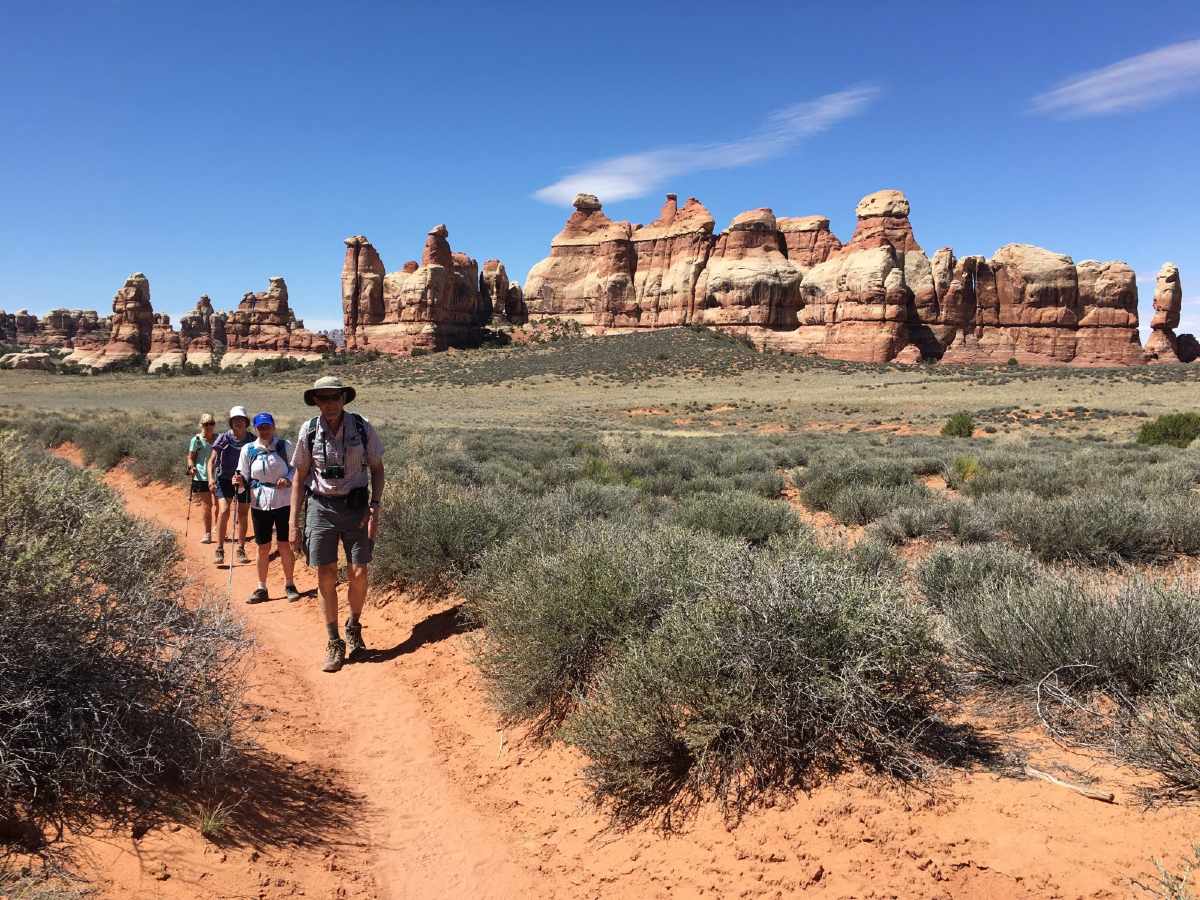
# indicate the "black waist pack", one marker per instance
pixel 357 498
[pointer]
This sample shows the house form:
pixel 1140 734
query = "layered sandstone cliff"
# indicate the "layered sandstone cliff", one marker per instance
pixel 166 349
pixel 500 299
pixel 441 302
pixel 264 327
pixel 789 283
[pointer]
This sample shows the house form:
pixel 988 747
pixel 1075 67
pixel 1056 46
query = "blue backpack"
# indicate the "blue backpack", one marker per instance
pixel 255 451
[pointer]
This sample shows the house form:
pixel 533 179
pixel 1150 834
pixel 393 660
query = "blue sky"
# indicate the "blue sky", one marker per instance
pixel 213 145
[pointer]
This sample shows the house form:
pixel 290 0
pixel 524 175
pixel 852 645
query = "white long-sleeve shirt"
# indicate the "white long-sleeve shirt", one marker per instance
pixel 262 467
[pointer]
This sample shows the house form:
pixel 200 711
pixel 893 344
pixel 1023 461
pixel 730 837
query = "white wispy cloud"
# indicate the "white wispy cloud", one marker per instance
pixel 1130 84
pixel 635 174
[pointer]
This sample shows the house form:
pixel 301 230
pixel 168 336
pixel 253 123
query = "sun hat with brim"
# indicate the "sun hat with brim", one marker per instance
pixel 329 383
pixel 237 411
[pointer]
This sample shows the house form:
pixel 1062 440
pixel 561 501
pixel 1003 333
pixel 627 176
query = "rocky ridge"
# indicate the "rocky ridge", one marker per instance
pixel 788 283
pixel 441 302
pixel 264 327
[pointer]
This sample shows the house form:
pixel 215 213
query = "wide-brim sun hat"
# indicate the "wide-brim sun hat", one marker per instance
pixel 239 411
pixel 329 383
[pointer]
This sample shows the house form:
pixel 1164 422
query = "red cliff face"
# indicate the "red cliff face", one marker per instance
pixel 748 279
pixel 1163 346
pixel 789 283
pixel 500 299
pixel 669 254
pixel 588 276
pixel 264 327
pixel 431 305
pixel 166 349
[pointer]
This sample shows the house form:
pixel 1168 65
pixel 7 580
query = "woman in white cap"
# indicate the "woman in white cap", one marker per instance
pixel 222 464
pixel 264 466
pixel 199 450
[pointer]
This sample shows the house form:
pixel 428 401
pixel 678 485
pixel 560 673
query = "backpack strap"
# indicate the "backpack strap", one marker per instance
pixel 361 424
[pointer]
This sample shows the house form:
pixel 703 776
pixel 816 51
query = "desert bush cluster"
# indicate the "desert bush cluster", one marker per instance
pixel 111 687
pixel 662 604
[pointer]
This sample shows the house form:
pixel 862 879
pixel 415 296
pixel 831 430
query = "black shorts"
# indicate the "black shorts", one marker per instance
pixel 225 491
pixel 266 519
pixel 199 487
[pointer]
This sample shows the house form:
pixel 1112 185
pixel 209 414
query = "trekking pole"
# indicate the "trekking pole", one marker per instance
pixel 187 522
pixel 232 563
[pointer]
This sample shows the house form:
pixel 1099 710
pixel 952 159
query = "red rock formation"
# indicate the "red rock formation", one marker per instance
pixel 129 331
pixel 669 255
pixel 1108 323
pixel 264 327
pixel 362 288
pixel 199 331
pixel 1025 307
pixel 8 328
pixel 26 327
pixel 166 348
pixel 1162 345
pixel 748 280
pixel 432 305
pixel 588 276
pixel 92 333
pixel 500 298
pixel 808 240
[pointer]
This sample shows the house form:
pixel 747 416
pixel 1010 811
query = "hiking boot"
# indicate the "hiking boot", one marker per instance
pixel 219 556
pixel 354 639
pixel 292 594
pixel 259 596
pixel 335 655
pixel 242 558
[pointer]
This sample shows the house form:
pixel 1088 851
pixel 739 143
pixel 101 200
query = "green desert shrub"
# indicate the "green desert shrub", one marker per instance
pixel 908 522
pixel 859 492
pixel 1175 429
pixel 795 666
pixel 111 688
pixel 1102 526
pixel 959 425
pixel 550 615
pixel 1016 622
pixel 736 514
pixel 861 504
pixel 432 533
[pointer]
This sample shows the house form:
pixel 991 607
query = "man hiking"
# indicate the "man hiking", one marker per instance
pixel 222 464
pixel 199 450
pixel 337 456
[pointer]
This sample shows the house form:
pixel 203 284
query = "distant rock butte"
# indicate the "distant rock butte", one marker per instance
pixel 262 327
pixel 788 283
pixel 442 302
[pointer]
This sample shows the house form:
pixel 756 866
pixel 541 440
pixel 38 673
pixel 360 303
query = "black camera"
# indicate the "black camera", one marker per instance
pixel 332 473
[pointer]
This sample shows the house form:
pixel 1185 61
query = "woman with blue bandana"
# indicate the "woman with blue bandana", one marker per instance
pixel 264 469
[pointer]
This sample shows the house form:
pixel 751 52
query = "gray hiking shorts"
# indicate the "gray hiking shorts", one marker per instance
pixel 330 523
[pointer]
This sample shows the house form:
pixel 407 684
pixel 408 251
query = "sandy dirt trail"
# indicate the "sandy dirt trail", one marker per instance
pixel 418 792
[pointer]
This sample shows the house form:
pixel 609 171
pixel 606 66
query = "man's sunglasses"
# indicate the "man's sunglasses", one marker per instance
pixel 337 395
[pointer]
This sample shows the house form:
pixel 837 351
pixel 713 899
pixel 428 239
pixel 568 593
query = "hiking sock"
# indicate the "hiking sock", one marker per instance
pixel 353 620
pixel 332 628
pixel 262 585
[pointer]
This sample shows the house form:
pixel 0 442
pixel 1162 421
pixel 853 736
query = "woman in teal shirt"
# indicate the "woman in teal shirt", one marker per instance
pixel 197 466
